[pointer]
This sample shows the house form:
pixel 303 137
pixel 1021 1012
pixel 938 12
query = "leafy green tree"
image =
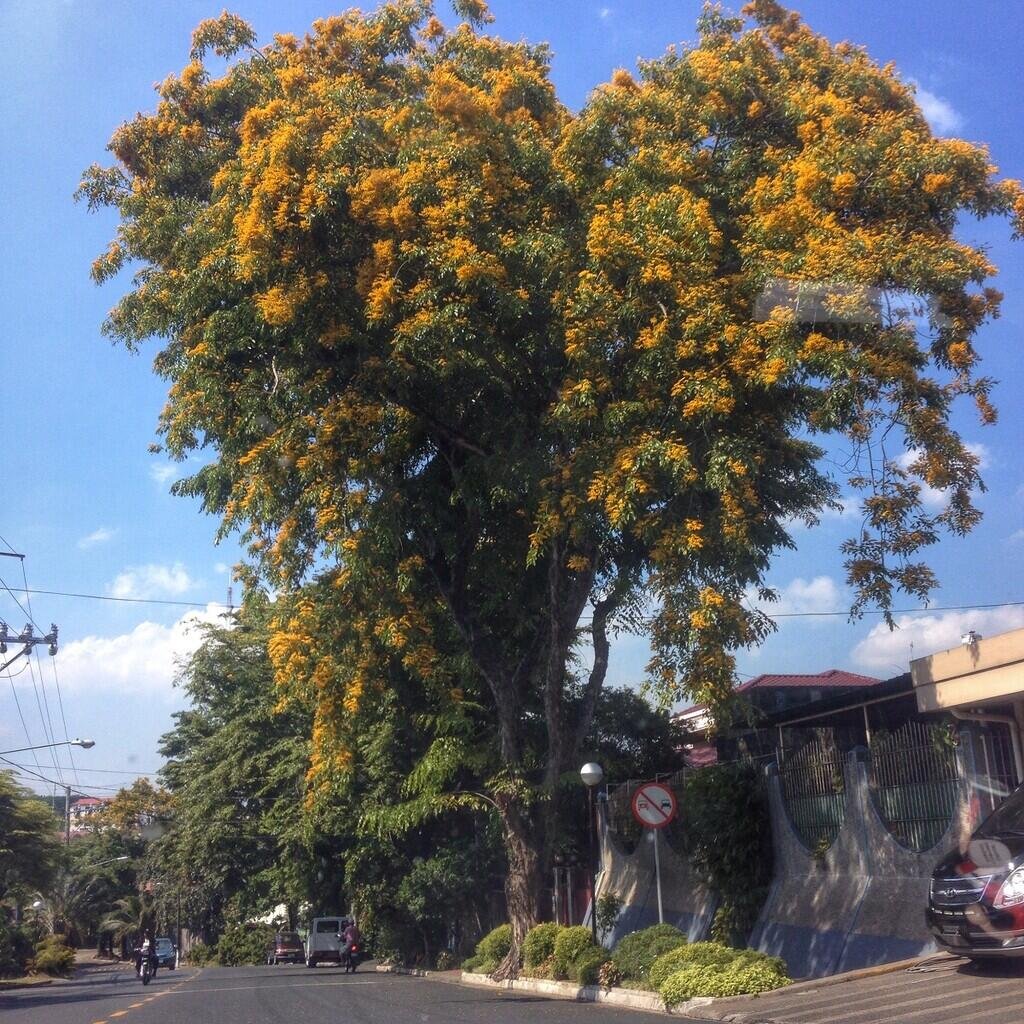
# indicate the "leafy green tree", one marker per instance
pixel 130 918
pixel 30 848
pixel 479 366
pixel 237 843
pixel 91 879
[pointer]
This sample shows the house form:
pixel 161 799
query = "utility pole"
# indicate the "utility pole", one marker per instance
pixel 67 815
pixel 28 639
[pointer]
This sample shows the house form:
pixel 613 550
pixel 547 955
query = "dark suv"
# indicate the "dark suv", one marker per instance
pixel 976 899
pixel 286 948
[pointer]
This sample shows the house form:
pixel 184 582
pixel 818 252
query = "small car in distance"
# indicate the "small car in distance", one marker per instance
pixel 286 947
pixel 166 953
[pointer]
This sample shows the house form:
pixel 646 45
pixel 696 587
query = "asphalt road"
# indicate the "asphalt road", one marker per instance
pixel 287 995
pixel 942 990
pixel 946 992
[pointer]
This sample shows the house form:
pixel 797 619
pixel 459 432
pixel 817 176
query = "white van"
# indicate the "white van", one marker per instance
pixel 323 942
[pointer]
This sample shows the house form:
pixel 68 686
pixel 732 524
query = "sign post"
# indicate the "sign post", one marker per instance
pixel 654 806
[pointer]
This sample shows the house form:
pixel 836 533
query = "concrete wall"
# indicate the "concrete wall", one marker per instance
pixel 687 902
pixel 864 902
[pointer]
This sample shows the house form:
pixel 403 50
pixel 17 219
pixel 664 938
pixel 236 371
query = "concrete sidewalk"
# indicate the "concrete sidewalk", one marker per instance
pixel 939 990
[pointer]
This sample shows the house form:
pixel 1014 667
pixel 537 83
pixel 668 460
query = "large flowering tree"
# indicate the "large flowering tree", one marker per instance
pixel 480 377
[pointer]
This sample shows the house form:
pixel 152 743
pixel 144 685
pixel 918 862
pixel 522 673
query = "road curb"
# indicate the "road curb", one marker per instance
pixel 630 999
pixel 6 986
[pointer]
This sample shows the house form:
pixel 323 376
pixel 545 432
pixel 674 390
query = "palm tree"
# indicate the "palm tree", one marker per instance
pixel 132 916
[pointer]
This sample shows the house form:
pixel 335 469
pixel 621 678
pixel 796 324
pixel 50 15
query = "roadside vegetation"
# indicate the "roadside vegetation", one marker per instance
pixel 656 959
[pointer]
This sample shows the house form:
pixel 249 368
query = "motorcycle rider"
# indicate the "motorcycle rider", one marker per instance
pixel 350 937
pixel 146 951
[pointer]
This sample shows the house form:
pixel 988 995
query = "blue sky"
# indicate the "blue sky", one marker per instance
pixel 89 506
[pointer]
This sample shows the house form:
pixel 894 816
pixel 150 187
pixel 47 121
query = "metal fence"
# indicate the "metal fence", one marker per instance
pixel 914 779
pixel 813 788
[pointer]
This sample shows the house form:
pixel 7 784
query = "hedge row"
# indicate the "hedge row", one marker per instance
pixel 657 958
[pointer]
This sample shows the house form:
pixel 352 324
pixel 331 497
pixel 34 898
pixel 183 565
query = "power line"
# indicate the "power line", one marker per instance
pixel 128 600
pixel 900 611
pixel 21 714
pixel 56 680
pixel 20 770
pixel 44 716
pixel 114 771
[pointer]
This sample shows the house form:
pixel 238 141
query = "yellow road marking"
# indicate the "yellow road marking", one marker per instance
pixel 134 1006
pixel 120 1013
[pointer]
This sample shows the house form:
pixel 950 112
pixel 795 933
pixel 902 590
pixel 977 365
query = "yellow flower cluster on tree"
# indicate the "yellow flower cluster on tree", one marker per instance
pixel 471 363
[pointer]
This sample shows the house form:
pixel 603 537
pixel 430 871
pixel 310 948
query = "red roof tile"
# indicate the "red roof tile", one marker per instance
pixel 833 677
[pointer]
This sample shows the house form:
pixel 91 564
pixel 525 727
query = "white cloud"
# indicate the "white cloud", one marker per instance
pixel 939 113
pixel 803 597
pixel 100 536
pixel 604 13
pixel 163 472
pixel 145 581
pixel 890 651
pixel 144 660
pixel 1017 537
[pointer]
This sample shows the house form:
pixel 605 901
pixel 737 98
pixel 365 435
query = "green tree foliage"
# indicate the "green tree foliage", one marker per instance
pixel 134 807
pixel 91 880
pixel 30 847
pixel 727 837
pixel 130 918
pixel 242 944
pixel 238 843
pixel 478 365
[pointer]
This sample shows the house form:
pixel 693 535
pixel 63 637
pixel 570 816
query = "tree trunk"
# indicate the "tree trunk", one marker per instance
pixel 523 881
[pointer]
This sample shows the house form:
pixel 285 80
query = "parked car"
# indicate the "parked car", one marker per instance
pixel 166 953
pixel 286 947
pixel 323 943
pixel 976 897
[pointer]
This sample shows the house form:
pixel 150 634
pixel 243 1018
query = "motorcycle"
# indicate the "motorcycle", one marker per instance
pixel 351 958
pixel 145 967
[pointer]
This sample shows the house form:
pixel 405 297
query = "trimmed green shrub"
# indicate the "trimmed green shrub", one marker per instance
pixel 544 970
pixel 586 968
pixel 703 954
pixel 53 957
pixel 746 957
pixel 761 978
pixel 539 943
pixel 200 954
pixel 244 944
pixel 744 976
pixel 490 950
pixel 570 944
pixel 635 954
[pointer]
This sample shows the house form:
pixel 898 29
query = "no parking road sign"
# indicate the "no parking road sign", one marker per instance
pixel 654 805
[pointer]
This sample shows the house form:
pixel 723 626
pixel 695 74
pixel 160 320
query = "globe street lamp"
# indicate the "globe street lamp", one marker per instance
pixel 592 774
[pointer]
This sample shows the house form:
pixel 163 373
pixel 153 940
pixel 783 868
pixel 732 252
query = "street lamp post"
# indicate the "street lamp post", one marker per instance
pixel 84 744
pixel 592 774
